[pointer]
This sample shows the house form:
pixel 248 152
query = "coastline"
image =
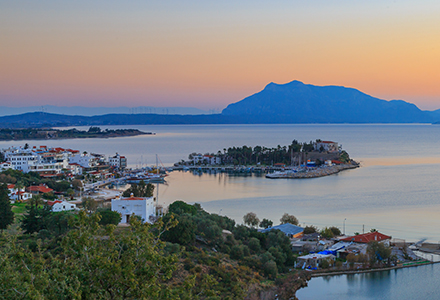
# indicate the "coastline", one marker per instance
pixel 349 272
pixel 314 173
pixel 56 134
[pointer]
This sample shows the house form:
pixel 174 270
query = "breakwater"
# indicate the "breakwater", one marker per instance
pixel 312 172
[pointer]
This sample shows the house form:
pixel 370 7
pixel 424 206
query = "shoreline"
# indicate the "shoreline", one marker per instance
pixel 349 272
pixel 316 173
pixel 56 134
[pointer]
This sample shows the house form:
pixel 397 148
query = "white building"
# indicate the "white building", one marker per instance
pixel 326 146
pixel 18 195
pixel 43 160
pixel 142 207
pixel 84 160
pixel 118 161
pixel 5 166
pixel 216 160
pixel 59 205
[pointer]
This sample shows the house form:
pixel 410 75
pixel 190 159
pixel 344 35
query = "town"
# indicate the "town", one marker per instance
pixel 49 188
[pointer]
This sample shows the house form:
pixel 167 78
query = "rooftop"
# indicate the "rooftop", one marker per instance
pixel 367 237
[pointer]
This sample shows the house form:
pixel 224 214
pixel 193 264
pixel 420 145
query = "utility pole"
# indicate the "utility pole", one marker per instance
pixel 344 225
pixel 363 229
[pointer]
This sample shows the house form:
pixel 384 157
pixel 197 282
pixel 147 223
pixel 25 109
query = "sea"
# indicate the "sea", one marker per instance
pixel 395 191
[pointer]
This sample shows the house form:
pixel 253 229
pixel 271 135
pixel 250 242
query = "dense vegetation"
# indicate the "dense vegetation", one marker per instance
pixel 189 254
pixel 259 155
pixel 268 254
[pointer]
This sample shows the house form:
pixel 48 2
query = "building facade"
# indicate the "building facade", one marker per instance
pixel 139 206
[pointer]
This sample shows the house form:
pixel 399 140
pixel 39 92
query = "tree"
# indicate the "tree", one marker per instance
pixel 266 223
pixel 254 245
pixel 109 217
pixel 378 251
pixel 179 207
pixel 6 214
pixel 89 204
pixel 37 217
pixel 140 190
pixel 183 233
pixel 93 129
pixel 336 231
pixel 327 233
pixel 77 184
pixel 70 193
pixel 49 196
pixel 286 218
pixel 270 269
pixel 95 263
pixel 310 229
pixel 251 219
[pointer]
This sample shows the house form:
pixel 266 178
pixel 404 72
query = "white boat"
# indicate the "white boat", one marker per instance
pixel 281 174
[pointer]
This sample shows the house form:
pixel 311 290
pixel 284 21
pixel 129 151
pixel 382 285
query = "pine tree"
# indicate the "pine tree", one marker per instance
pixel 6 214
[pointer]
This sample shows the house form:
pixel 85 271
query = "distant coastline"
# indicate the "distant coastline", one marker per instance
pixel 51 134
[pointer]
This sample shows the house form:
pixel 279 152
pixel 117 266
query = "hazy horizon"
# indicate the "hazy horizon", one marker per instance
pixel 209 54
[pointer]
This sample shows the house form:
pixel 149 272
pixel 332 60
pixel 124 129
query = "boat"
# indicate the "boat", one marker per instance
pixel 281 174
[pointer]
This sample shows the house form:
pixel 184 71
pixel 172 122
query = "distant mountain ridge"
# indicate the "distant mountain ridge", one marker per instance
pixel 96 111
pixel 296 102
pixel 290 103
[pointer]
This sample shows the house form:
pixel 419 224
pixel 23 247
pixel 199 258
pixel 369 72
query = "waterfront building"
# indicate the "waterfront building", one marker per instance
pixel 369 237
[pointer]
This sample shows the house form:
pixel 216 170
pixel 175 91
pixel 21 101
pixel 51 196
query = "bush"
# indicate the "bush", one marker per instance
pixel 254 245
pixel 180 207
pixel 270 269
pixel 109 217
pixel 237 252
pixel 325 264
pixel 183 233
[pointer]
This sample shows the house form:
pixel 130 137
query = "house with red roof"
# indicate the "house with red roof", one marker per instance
pixel 369 237
pixel 18 195
pixel 39 189
pixel 59 205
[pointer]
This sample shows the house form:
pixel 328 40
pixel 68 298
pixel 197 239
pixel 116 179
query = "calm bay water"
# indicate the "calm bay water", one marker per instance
pixel 409 283
pixel 395 191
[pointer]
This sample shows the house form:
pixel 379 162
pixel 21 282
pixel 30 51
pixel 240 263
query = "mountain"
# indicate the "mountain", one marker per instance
pixel 94 111
pixel 293 102
pixel 42 119
pixel 296 102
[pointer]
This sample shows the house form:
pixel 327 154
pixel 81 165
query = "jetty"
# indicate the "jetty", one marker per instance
pixel 304 173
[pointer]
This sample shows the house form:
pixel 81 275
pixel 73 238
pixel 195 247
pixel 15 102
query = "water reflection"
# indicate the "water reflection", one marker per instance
pixel 408 283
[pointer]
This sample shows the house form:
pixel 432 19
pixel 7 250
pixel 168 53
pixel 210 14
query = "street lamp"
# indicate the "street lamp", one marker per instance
pixel 344 225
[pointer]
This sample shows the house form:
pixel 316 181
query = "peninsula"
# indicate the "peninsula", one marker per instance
pixel 297 160
pixel 50 134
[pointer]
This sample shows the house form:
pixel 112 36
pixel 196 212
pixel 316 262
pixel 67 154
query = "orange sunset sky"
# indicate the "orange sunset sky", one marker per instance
pixel 208 54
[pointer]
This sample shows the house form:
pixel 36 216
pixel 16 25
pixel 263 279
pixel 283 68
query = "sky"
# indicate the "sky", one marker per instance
pixel 208 54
